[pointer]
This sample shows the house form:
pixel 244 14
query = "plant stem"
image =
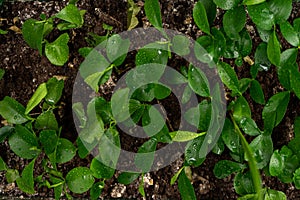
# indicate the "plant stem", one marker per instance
pixel 256 178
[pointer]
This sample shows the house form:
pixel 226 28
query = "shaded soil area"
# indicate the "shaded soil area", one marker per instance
pixel 26 69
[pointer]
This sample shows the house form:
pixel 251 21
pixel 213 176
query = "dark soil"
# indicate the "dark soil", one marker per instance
pixel 25 70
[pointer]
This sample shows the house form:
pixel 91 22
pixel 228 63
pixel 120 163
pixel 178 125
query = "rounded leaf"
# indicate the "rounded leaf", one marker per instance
pixel 80 180
pixel 58 51
pixel 224 168
pixel 24 143
pixel 234 21
pixel 65 151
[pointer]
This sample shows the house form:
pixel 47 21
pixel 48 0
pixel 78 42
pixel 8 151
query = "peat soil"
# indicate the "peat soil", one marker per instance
pixel 26 69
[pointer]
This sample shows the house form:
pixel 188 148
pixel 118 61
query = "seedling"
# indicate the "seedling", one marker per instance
pixel 35 33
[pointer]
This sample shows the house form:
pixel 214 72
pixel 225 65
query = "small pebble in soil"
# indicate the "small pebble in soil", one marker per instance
pixel 147 179
pixel 118 191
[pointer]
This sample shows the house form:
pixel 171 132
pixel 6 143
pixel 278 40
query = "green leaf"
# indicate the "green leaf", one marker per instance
pixel 257 93
pixel 85 51
pixel 225 168
pixel 262 16
pixel 261 57
pixel 152 121
pixel 65 150
pixel 262 149
pixel 244 84
pixel 152 10
pixel 163 135
pixel 273 49
pixel 264 34
pixel 198 81
pixel 199 116
pixel 252 2
pixel 175 177
pixel 100 170
pixel 295 80
pixel 245 43
pixel 24 143
pixel 142 189
pixel 103 109
pixel 46 121
pixel 296 178
pixel 2 72
pixel 5 131
pixel 110 147
pixel 227 5
pixel 132 12
pixel 93 68
pixel 161 91
pixel 12 111
pixel 219 147
pixel 249 126
pixel 144 93
pixel 54 90
pixel 58 51
pixel 120 105
pixel 241 109
pixel 152 53
pixel 184 136
pixel 281 9
pixel 71 14
pixel 209 48
pixel 79 113
pixel 266 14
pixel 80 180
pixel 187 93
pixel 274 194
pixel 210 9
pixel 145 155
pixel 32 31
pixel 26 182
pixel 181 45
pixel 48 139
pixel 11 175
pixel 287 66
pixel 185 187
pixel 192 149
pixel 284 163
pixel 116 49
pixel 2 165
pixel 228 76
pixel 274 110
pixel 36 98
pixel 94 128
pixel 3 32
pixel 288 57
pixel 231 138
pixel 276 164
pixel 243 184
pixel 84 148
pixel 127 177
pixel 96 190
pixel 289 33
pixel 200 17
pixel 234 21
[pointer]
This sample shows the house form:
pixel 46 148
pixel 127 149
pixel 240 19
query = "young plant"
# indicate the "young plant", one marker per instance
pixel 38 135
pixel 35 33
